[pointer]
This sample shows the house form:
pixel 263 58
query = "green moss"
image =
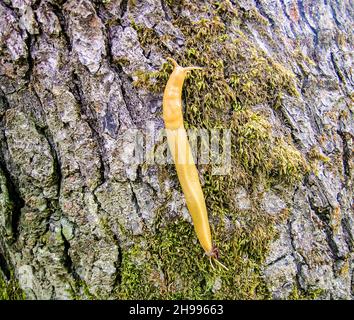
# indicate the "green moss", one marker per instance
pixel 148 37
pixel 136 275
pixel 264 158
pixel 237 76
pixel 171 265
pixel 315 158
pixel 315 154
pixel 9 289
pixel 6 207
pixel 80 291
pixel 300 56
pixel 255 16
pixel 311 294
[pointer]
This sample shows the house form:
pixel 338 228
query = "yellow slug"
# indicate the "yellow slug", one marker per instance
pixel 182 156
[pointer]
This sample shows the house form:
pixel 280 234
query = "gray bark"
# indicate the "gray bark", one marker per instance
pixel 65 103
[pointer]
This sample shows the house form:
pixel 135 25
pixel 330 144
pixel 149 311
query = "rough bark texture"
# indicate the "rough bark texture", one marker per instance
pixel 77 222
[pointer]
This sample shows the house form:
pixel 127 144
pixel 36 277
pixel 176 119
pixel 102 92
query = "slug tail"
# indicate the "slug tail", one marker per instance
pixel 214 255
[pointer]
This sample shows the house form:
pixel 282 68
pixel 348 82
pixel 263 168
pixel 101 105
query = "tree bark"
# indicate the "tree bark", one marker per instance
pixel 72 210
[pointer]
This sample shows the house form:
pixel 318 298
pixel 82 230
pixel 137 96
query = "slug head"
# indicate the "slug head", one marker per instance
pixel 176 66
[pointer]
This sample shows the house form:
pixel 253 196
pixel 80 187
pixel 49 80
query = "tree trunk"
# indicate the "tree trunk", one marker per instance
pixel 78 220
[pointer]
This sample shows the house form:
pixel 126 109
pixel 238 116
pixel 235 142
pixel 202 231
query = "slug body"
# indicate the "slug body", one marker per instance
pixel 182 155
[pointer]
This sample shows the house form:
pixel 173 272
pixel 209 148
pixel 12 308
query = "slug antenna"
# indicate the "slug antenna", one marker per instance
pixel 193 68
pixel 175 65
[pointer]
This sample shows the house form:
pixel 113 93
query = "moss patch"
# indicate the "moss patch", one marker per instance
pixel 310 294
pixel 174 267
pixel 80 291
pixel 9 289
pixel 170 263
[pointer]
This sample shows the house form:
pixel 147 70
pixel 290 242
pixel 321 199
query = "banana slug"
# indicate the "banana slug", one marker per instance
pixel 182 155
